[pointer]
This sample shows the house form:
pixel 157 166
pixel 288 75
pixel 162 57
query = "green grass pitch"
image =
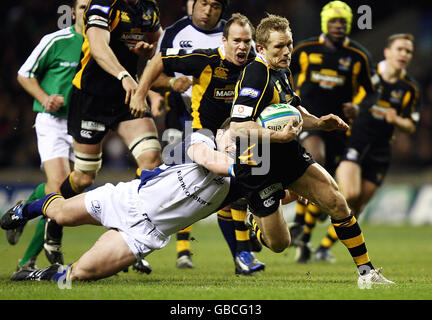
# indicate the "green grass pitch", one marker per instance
pixel 404 252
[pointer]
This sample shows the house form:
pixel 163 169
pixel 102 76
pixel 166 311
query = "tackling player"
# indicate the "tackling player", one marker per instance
pixel 215 72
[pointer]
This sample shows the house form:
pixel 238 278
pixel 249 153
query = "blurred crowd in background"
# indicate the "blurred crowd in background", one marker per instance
pixel 24 22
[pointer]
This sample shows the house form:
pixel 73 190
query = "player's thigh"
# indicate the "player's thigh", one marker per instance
pixel 56 170
pixel 318 186
pixel 71 212
pixel 109 255
pixel 349 178
pixel 131 129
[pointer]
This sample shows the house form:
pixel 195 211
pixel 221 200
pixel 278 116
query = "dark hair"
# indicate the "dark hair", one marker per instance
pixel 239 19
pixel 396 36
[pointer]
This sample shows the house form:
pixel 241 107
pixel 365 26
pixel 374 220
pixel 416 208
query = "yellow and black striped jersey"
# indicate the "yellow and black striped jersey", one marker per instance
pixel 328 77
pixel 127 24
pixel 214 79
pixel 260 86
pixel 403 95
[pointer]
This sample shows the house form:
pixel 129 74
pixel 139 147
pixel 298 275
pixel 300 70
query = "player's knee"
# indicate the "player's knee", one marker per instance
pixel 146 149
pixel 86 167
pixel 279 244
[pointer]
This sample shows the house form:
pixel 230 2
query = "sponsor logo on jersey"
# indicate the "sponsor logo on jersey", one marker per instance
pixel 188 194
pixel 226 93
pixel 147 16
pixel 327 79
pixel 104 9
pixel 91 125
pixel 396 96
pixel 345 63
pixel 249 92
pixel 68 64
pixel 269 202
pixel 124 16
pixel 241 111
pixel 267 192
pixel 278 86
pixel 131 38
pixel 221 73
pixel 186 44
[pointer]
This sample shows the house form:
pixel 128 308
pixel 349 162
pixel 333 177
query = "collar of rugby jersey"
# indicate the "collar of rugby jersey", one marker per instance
pixel 381 68
pixel 323 36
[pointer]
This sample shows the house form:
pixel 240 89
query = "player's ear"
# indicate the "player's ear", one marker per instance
pixel 259 47
pixel 73 13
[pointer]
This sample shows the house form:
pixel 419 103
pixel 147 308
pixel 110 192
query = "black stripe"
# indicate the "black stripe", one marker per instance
pixel 240 226
pixel 358 251
pixel 183 236
pixel 344 233
pixel 146 138
pixel 87 159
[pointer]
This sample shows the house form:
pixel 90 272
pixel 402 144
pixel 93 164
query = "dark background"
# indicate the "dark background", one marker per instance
pixel 24 22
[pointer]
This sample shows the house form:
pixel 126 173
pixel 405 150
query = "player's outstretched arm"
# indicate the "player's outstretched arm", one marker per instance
pixel 328 122
pixel 213 160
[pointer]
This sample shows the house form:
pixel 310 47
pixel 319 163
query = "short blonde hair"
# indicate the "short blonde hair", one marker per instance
pixel 394 37
pixel 270 23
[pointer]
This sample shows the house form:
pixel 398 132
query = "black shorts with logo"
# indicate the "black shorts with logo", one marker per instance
pixel 373 159
pixel 288 162
pixel 91 117
pixel 335 144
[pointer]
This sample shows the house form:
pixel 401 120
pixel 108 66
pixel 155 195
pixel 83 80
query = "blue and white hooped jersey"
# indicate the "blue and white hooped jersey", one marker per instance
pixel 178 194
pixel 184 35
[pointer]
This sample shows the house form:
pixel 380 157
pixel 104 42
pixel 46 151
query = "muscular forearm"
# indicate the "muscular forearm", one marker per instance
pixel 151 72
pixel 251 128
pixel 32 86
pixel 310 122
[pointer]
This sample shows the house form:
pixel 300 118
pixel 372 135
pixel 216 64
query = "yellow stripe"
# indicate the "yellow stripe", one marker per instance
pixel 366 63
pixel 69 272
pixel 225 214
pixel 326 242
pixel 186 230
pixel 48 202
pixel 188 55
pixel 363 259
pixel 242 235
pixel 300 208
pixel 238 215
pixel 304 64
pixel 85 49
pixel 361 93
pixel 313 208
pixel 405 100
pixel 200 86
pixel 224 219
pixel 138 172
pixel 345 224
pixel 354 242
pixel 310 219
pixel 355 73
pixel 183 245
pixel 332 233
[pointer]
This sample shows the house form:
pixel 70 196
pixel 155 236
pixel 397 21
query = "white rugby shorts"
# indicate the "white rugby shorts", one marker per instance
pixel 53 139
pixel 119 207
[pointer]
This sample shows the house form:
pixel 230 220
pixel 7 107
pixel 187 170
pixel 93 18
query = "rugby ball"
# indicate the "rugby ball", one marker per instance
pixel 276 116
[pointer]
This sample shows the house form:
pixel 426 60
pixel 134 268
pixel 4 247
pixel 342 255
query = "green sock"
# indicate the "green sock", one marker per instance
pixel 37 242
pixel 38 192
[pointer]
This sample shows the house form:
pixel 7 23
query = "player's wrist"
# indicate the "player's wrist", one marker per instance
pixel 123 74
pixel 171 83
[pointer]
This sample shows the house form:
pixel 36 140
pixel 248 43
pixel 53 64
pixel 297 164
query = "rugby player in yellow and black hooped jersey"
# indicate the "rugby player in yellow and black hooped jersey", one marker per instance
pixel 330 71
pixel 265 81
pixel 116 34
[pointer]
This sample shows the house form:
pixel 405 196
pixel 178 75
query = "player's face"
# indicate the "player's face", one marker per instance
pixel 206 14
pixel 79 12
pixel 337 28
pixel 278 49
pixel 399 54
pixel 238 44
